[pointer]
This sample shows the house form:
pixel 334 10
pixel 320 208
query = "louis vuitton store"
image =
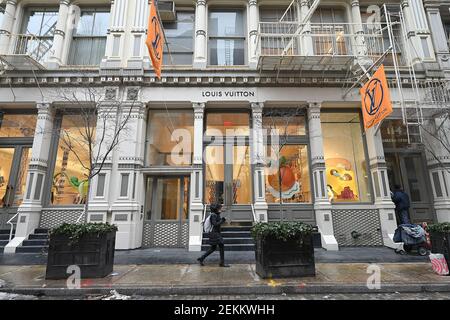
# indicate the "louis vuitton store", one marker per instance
pixel 266 153
pixel 222 150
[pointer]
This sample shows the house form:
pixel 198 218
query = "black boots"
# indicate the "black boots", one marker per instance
pixel 200 261
pixel 223 265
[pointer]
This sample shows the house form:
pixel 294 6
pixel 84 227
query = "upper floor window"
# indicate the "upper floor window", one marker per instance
pixel 329 32
pixel 89 39
pixel 180 39
pixel 2 12
pixel 226 38
pixel 38 29
pixel 446 29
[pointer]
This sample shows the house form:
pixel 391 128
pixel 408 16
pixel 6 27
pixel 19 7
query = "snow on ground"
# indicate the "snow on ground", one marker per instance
pixel 12 296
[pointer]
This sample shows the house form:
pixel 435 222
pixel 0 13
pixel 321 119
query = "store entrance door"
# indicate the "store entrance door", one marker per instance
pixel 408 171
pixel 166 222
pixel 228 178
pixel 14 161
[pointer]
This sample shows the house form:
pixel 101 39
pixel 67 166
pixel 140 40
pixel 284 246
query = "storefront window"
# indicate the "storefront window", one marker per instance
pixel 17 125
pixel 235 124
pixel 345 160
pixel 22 177
pixel 70 185
pixel 170 138
pixel 285 125
pixel 293 169
pixel 6 161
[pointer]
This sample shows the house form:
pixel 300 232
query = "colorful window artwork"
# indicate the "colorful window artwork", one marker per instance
pixel 70 182
pixel 345 160
pixel 293 169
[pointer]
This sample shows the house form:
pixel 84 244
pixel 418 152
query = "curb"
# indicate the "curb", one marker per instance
pixel 231 290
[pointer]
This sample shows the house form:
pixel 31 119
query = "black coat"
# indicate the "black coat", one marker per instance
pixel 401 200
pixel 214 237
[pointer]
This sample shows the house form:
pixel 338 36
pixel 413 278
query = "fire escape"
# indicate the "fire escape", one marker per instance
pixel 355 50
pixel 28 51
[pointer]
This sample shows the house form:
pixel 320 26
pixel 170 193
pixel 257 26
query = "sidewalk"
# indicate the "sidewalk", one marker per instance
pixel 182 256
pixel 187 279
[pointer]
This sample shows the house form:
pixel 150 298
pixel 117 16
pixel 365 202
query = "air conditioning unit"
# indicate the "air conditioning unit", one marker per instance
pixel 167 11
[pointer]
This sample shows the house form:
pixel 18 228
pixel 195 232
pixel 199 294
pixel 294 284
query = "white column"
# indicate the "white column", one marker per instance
pixel 201 16
pixel 253 21
pixel 322 205
pixel 417 29
pixel 30 209
pixel 126 181
pixel 307 47
pixel 100 205
pixel 383 202
pixel 258 156
pixel 438 36
pixel 438 164
pixel 7 25
pixel 422 31
pixel 136 50
pixel 196 202
pixel 59 35
pixel 360 46
pixel 115 43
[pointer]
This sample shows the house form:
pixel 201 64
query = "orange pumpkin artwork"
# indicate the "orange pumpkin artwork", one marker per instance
pixel 289 184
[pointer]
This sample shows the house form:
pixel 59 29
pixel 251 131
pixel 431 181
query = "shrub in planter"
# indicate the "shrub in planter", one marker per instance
pixel 440 239
pixel 89 246
pixel 284 249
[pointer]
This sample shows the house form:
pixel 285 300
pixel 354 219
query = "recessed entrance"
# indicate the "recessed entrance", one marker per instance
pixel 166 222
pixel 408 171
pixel 16 140
pixel 228 178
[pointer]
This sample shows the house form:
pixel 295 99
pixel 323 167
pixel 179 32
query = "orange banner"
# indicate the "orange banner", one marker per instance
pixel 155 39
pixel 376 99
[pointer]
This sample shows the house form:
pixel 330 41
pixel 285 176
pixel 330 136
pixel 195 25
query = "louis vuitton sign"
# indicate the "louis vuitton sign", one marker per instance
pixel 230 94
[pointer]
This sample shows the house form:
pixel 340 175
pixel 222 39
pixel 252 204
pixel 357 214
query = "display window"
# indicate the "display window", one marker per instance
pixel 287 161
pixel 345 158
pixel 227 124
pixel 71 171
pixel 170 138
pixel 17 125
pixel 285 125
pixel 292 170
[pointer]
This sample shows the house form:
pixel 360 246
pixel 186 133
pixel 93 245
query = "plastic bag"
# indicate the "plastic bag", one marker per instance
pixel 439 264
pixel 207 226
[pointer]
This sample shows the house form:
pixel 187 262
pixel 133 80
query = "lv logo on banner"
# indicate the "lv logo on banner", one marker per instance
pixel 376 99
pixel 155 39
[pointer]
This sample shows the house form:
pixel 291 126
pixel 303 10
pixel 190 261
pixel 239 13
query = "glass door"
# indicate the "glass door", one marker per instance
pixel 14 162
pixel 166 212
pixel 228 178
pixel 408 171
pixel 227 163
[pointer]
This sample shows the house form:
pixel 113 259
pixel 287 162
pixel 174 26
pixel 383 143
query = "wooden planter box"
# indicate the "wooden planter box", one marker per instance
pixel 440 243
pixel 94 254
pixel 284 259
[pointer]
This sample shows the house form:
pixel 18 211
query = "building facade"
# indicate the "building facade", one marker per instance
pixel 232 70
